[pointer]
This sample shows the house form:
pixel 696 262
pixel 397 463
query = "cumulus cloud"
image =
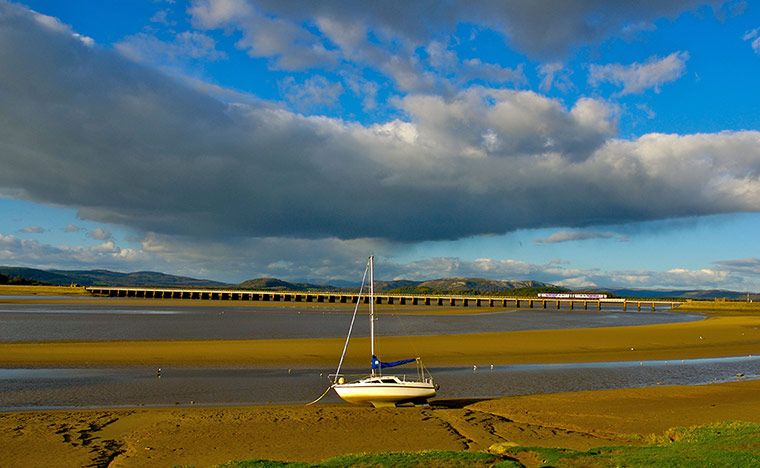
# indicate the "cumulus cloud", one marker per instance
pixel 403 40
pixel 145 47
pixel 33 230
pixel 567 236
pixel 292 46
pixel 753 37
pixel 54 24
pixel 72 228
pixel 637 78
pixel 100 234
pixel 127 145
pixel 554 75
pixel 744 266
pixel 542 29
pixel 16 251
pixel 314 93
pixel 342 261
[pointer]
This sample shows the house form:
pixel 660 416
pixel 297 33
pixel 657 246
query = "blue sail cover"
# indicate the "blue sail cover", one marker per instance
pixel 378 364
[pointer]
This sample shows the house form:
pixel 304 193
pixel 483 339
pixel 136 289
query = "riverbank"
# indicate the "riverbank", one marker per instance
pixel 206 436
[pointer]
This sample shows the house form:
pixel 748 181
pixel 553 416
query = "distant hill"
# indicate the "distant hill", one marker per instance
pixel 683 293
pixel 19 275
pixel 479 285
pixel 383 286
pixel 274 284
pixel 442 286
pixel 107 278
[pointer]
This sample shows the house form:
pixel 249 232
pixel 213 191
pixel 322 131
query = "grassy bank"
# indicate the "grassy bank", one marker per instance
pixel 719 444
pixel 18 290
pixel 720 307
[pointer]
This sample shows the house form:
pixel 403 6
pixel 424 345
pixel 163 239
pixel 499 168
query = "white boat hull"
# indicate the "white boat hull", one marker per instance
pixel 378 393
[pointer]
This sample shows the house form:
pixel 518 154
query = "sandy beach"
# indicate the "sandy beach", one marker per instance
pixel 204 436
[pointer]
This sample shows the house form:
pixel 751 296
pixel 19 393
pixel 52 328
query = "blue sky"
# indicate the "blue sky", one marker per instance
pixel 586 144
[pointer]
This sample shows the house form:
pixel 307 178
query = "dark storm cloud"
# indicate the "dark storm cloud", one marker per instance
pixel 84 127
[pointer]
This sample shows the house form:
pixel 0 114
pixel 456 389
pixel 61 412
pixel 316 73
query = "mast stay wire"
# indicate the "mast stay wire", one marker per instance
pixel 345 346
pixel 353 319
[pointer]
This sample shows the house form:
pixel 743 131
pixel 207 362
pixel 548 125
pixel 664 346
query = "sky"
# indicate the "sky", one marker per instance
pixel 587 144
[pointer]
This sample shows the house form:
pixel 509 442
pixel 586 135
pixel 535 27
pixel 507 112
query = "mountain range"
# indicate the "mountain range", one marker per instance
pixel 106 278
pixel 443 285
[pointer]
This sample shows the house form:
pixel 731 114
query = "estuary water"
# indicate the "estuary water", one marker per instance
pixel 30 389
pixel 107 322
pixel 23 389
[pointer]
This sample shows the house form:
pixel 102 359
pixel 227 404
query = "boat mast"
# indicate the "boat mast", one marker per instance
pixel 372 307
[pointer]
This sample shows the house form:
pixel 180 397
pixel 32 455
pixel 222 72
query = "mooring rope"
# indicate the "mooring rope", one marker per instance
pixel 323 395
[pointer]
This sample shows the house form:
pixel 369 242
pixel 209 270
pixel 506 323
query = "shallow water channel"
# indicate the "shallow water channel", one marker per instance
pixel 105 322
pixel 22 389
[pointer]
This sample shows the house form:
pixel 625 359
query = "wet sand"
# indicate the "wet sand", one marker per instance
pixel 717 336
pixel 202 437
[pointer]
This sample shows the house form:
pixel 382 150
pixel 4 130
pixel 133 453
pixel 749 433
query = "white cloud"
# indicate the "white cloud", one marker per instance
pixel 403 40
pixel 72 228
pixel 480 161
pixel 33 230
pixel 637 78
pixel 144 47
pixel 754 38
pixel 541 29
pixel 15 251
pixel 100 234
pixel 744 266
pixel 163 17
pixel 566 236
pixel 554 75
pixel 314 93
pixel 208 178
pixel 54 24
pixel 333 261
pixel 291 45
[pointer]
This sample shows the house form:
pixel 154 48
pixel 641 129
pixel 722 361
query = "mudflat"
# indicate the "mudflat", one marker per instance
pixel 164 437
pixel 716 336
pixel 204 436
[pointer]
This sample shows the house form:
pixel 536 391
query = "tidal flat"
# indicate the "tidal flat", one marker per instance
pixel 211 435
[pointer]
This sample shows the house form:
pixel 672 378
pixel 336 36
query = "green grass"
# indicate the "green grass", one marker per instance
pixel 721 307
pixel 427 459
pixel 716 445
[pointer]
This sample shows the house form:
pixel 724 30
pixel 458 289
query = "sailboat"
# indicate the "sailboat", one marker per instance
pixel 378 389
